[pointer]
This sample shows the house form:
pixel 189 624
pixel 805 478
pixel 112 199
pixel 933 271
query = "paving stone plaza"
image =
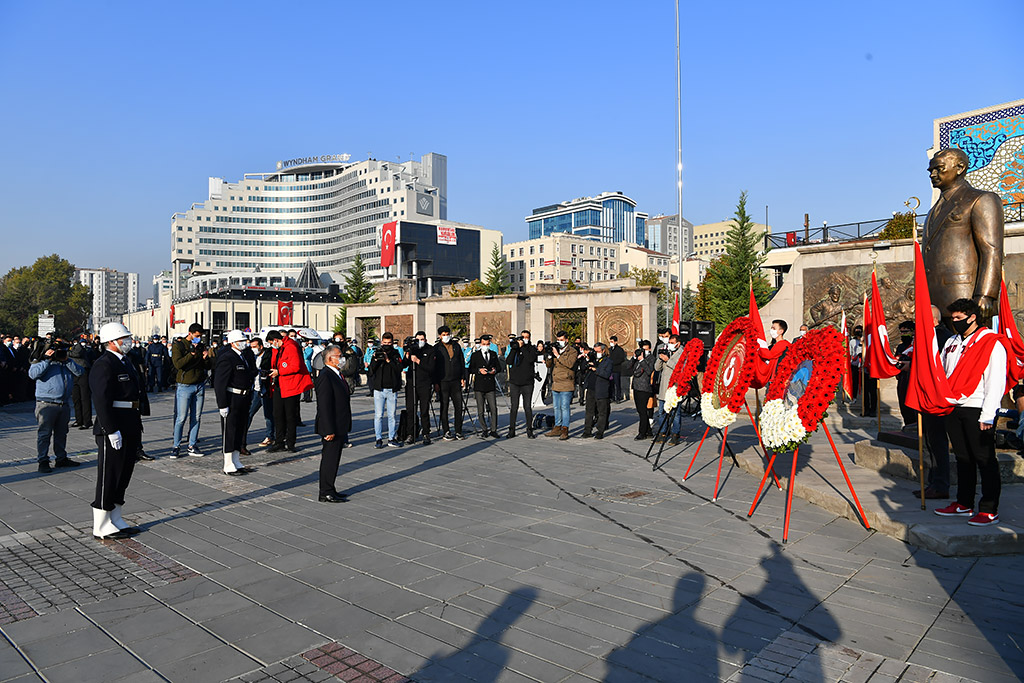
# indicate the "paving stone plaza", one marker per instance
pixel 476 560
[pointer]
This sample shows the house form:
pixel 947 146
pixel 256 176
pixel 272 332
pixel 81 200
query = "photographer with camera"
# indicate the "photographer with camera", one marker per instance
pixel 582 370
pixel 599 391
pixel 642 384
pixel 192 360
pixel 521 359
pixel 668 356
pixel 619 358
pixel 419 382
pixel 483 366
pixel 385 374
pixel 449 379
pixel 84 355
pixel 55 376
pixel 563 375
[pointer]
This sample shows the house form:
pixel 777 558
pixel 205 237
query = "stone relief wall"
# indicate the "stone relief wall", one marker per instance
pixel 828 292
pixel 398 325
pixel 498 324
pixel 625 322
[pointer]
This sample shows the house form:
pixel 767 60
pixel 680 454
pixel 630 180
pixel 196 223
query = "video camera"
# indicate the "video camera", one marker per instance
pixel 40 345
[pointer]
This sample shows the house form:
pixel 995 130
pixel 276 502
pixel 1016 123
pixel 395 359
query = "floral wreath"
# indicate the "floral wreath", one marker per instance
pixel 784 426
pixel 685 370
pixel 723 416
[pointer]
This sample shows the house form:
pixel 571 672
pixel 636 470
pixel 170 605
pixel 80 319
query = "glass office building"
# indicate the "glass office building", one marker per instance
pixel 608 217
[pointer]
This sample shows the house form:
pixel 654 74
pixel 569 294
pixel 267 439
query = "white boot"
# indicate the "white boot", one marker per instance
pixel 236 461
pixel 229 463
pixel 101 524
pixel 117 519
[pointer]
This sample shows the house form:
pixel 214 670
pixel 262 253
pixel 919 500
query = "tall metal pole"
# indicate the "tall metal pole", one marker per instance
pixel 679 157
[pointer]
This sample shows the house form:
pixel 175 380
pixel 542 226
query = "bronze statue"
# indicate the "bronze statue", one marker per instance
pixel 963 236
pixel 829 309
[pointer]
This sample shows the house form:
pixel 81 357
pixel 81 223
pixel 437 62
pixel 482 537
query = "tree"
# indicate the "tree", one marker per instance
pixel 688 304
pixel 496 279
pixel 648 277
pixel 727 286
pixel 474 288
pixel 358 290
pixel 45 285
pixel 900 226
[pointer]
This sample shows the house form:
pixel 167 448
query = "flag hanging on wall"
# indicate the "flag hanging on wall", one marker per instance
pixel 387 244
pixel 284 312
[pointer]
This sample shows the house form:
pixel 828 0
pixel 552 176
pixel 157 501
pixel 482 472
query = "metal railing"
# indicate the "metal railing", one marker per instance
pixel 848 232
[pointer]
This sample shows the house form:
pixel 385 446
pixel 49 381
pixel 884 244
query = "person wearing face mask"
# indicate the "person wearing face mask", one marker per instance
pixel 289 378
pixel 665 364
pixel 599 392
pixel 233 386
pixel 777 348
pixel 643 388
pixel 116 390
pixel 619 358
pixel 521 360
pixel 449 379
pixel 333 423
pixel 563 376
pixel 192 361
pixel 974 359
pixel 385 380
pixel 483 366
pixel 904 352
pixel 802 332
pixel 419 382
pixel 54 374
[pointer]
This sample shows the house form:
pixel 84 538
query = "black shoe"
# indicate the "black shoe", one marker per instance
pixel 44 467
pixel 460 437
pixel 275 448
pixel 674 441
pixel 236 473
pixel 76 423
pixel 530 434
pixel 244 451
pixel 67 462
pixel 586 435
pixel 142 455
pixel 291 449
pixel 511 434
pixel 426 441
pixel 333 498
pixel 117 535
pixel 448 436
pixel 640 437
pixel 410 441
pixel 599 436
pixel 85 426
pixel 175 453
pixel 495 434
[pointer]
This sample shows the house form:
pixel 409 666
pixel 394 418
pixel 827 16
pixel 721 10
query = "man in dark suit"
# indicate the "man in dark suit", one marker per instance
pixel 483 366
pixel 116 390
pixel 419 381
pixel 333 422
pixel 599 391
pixel 963 236
pixel 233 377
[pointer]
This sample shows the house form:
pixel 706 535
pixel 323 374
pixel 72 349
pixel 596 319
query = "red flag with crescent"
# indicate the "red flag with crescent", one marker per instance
pixel 387 244
pixel 1008 328
pixel 675 317
pixel 881 362
pixel 762 370
pixel 284 312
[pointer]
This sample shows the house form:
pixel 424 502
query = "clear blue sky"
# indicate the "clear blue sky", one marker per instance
pixel 115 114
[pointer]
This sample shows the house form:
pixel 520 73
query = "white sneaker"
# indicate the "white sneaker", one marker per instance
pixel 194 452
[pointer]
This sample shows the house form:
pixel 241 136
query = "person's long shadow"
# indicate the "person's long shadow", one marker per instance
pixel 677 647
pixel 784 602
pixel 484 658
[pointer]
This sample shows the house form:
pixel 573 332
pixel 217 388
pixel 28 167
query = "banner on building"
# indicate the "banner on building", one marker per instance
pixel 387 244
pixel 549 262
pixel 284 312
pixel 446 235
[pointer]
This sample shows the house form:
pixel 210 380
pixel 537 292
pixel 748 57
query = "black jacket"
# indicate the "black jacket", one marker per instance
pixel 599 379
pixel 618 356
pixel 492 366
pixel 520 364
pixel 449 368
pixel 83 354
pixel 232 371
pixel 385 374
pixel 113 379
pixel 424 370
pixel 333 405
pixel 156 354
pixel 643 374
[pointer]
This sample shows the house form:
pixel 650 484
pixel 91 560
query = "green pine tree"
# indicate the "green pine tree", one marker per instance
pixel 688 303
pixel 496 279
pixel 726 285
pixel 648 277
pixel 357 290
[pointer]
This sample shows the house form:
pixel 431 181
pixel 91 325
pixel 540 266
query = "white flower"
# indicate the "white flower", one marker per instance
pixel 671 399
pixel 719 418
pixel 781 426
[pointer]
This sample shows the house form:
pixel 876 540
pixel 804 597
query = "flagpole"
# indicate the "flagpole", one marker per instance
pixel 863 359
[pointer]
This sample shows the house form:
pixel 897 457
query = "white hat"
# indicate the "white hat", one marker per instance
pixel 236 336
pixel 112 331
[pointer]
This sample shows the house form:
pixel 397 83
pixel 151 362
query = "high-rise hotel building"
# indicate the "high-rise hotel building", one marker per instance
pixel 325 209
pixel 608 217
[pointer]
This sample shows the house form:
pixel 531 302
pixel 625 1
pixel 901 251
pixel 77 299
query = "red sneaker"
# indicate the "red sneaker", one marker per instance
pixel 954 510
pixel 984 519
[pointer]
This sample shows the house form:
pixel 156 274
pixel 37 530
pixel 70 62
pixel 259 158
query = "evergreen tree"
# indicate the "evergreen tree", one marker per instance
pixel 496 279
pixel 688 304
pixel 474 288
pixel 727 282
pixel 358 290
pixel 45 285
pixel 648 277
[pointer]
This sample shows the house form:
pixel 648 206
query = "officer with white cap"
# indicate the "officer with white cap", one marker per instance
pixel 116 390
pixel 233 377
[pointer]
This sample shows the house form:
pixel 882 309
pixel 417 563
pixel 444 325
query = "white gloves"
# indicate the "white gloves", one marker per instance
pixel 224 412
pixel 115 440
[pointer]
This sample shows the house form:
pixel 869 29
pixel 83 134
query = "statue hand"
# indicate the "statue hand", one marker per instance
pixel 986 304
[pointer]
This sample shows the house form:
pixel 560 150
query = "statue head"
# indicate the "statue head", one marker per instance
pixel 834 292
pixel 948 166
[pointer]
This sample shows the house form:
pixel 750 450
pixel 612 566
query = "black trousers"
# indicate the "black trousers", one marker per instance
pixel 515 391
pixel 286 419
pixel 330 459
pixel 640 400
pixel 155 378
pixel 975 451
pixel 617 386
pixel 487 399
pixel 451 391
pixel 854 381
pixel 234 426
pixel 596 408
pixel 81 396
pixel 937 441
pixel 418 400
pixel 114 469
pixel 902 384
pixel 870 395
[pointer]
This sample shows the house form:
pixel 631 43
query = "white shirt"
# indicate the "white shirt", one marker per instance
pixel 992 386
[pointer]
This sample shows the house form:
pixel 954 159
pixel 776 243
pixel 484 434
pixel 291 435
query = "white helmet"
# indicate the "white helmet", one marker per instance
pixel 236 336
pixel 112 331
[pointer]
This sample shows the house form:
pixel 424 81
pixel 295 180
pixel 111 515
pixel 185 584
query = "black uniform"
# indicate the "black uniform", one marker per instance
pixel 484 386
pixel 449 373
pixel 333 416
pixel 419 382
pixel 233 379
pixel 85 356
pixel 619 358
pixel 521 376
pixel 116 391
pixel 156 356
pixel 599 391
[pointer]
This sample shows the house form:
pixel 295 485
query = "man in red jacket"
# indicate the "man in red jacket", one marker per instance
pixel 289 377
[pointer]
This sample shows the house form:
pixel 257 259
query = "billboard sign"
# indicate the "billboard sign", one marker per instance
pixel 424 204
pixel 446 234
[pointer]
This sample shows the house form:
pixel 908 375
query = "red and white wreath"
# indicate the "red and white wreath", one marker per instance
pixel 730 370
pixel 686 368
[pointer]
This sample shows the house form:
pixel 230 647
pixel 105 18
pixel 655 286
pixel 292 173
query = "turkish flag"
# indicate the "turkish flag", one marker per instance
pixel 387 244
pixel 847 375
pixel 172 315
pixel 762 370
pixel 881 362
pixel 284 312
pixel 675 318
pixel 929 390
pixel 1008 328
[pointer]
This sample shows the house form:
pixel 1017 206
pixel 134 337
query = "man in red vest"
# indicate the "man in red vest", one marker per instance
pixel 975 362
pixel 289 377
pixel 776 348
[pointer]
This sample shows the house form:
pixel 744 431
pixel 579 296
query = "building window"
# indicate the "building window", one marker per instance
pixel 540 249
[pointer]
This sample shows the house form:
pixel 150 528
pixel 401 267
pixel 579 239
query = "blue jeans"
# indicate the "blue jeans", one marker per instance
pixel 261 400
pixel 562 401
pixel 188 402
pixel 385 399
pixel 675 427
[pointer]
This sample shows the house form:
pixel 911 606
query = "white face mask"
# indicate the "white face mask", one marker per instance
pixel 421 342
pixel 598 354
pixel 773 332
pixel 664 340
pixel 561 344
pixel 240 346
pixel 801 333
pixel 7 343
pixel 125 345
pixel 445 339
pixel 672 347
